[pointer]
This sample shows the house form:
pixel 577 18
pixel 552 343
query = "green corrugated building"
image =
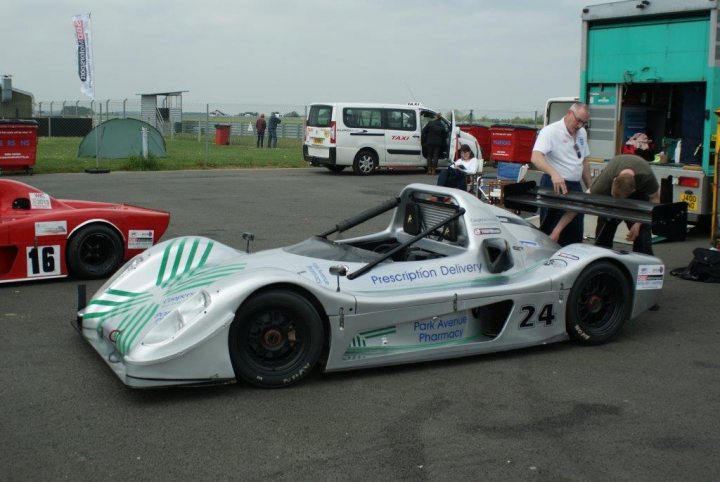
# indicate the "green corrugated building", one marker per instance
pixel 14 103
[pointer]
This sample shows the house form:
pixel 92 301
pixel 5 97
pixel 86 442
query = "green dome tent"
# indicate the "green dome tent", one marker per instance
pixel 122 138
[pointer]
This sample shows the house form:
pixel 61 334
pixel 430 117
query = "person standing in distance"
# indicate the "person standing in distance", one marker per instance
pixel 260 126
pixel 272 130
pixel 434 138
pixel 561 152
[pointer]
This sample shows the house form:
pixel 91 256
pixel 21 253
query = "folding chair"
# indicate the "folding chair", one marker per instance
pixel 490 188
pixel 472 181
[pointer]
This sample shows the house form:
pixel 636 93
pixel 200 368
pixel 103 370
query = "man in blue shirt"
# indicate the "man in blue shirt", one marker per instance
pixel 272 130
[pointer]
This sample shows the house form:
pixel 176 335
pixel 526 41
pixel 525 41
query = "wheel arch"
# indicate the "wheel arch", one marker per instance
pixel 305 293
pixel 370 149
pixel 99 222
pixel 622 267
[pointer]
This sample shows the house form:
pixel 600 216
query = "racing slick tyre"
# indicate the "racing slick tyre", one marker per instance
pixel 275 339
pixel 95 251
pixel 335 168
pixel 365 162
pixel 598 304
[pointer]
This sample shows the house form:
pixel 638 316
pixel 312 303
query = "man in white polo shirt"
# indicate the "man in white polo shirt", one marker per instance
pixel 561 152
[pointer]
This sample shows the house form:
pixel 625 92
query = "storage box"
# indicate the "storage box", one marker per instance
pixel 482 134
pixel 512 143
pixel 18 144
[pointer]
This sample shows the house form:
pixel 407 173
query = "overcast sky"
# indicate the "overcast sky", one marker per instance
pixel 500 55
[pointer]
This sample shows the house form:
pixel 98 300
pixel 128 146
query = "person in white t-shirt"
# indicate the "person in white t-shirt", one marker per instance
pixel 561 152
pixel 454 175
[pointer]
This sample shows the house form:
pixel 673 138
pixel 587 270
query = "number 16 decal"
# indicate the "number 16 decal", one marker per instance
pixel 545 317
pixel 42 260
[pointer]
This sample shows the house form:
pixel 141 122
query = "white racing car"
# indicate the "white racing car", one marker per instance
pixel 450 276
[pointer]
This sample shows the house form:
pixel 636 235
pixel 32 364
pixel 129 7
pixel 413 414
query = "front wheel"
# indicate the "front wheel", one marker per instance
pixel 365 163
pixel 94 252
pixel 599 304
pixel 275 339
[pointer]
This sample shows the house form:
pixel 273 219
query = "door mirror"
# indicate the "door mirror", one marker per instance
pixel 338 270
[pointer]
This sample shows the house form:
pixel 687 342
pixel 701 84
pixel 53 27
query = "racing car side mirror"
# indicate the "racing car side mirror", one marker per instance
pixel 338 270
pixel 497 255
pixel 248 237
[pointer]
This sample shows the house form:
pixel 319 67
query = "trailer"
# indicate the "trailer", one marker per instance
pixel 653 67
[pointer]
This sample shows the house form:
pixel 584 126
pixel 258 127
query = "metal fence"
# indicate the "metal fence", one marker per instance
pixel 77 117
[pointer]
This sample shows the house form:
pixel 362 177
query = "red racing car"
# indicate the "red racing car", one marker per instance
pixel 42 237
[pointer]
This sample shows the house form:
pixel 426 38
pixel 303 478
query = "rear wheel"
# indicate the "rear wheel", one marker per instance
pixel 95 251
pixel 598 304
pixel 275 339
pixel 365 163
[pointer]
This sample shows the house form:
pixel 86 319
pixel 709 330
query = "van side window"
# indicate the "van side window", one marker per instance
pixel 402 120
pixel 353 117
pixel 320 116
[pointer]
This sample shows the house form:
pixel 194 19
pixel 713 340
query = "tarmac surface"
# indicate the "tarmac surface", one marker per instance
pixel 643 407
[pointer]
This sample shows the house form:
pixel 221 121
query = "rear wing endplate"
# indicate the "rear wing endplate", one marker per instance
pixel 668 220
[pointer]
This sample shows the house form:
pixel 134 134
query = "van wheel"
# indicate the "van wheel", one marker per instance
pixel 335 168
pixel 365 163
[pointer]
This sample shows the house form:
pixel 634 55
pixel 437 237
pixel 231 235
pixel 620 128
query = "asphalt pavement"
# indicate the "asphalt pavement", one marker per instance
pixel 643 407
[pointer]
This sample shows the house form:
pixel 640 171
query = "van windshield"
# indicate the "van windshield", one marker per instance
pixel 320 116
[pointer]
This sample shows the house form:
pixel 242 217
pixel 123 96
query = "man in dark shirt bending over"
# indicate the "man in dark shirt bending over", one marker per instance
pixel 625 176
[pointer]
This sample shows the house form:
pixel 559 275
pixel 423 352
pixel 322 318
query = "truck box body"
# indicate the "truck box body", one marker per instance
pixel 653 68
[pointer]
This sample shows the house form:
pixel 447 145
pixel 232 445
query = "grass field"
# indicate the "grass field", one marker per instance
pixel 59 154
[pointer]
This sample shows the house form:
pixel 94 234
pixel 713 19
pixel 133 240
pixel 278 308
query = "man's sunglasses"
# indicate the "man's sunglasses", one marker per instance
pixel 582 123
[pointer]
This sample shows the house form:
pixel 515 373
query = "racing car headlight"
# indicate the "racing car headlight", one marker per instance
pixel 126 268
pixel 175 321
pixel 191 309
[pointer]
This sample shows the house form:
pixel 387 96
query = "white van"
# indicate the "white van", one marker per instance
pixel 369 136
pixel 557 107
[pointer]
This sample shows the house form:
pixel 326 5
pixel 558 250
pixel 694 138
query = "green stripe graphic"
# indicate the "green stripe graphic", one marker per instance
pixel 134 310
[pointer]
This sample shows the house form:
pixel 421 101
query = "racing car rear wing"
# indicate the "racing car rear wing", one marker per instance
pixel 668 220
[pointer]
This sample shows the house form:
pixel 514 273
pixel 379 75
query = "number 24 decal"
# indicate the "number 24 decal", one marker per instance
pixel 43 260
pixel 545 317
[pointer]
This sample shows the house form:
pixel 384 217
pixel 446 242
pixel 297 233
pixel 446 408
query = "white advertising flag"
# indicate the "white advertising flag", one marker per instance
pixel 83 37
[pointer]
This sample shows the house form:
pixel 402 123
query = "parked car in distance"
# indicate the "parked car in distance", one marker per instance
pixel 371 136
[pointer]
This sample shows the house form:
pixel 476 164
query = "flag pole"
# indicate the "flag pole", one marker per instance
pixel 86 72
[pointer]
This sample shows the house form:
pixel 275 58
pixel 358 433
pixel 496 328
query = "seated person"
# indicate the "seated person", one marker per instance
pixel 454 175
